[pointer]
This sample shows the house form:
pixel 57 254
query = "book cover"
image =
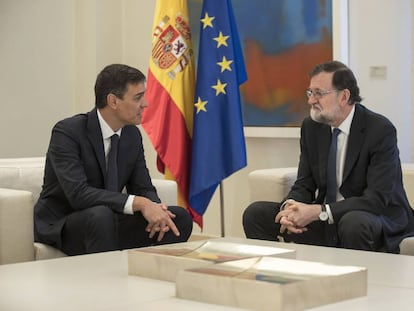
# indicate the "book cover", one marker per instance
pixel 268 283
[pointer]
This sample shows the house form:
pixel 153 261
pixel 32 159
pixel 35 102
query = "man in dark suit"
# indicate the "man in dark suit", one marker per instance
pixel 369 209
pixel 82 207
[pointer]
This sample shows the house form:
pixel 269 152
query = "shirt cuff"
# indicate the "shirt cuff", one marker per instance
pixel 282 206
pixel 128 205
pixel 330 217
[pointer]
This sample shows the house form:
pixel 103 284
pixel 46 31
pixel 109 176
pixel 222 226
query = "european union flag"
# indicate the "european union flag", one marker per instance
pixel 219 147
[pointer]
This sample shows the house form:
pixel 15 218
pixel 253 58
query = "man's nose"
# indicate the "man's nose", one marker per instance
pixel 144 103
pixel 311 100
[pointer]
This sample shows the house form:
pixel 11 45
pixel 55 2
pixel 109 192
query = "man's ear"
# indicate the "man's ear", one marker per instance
pixel 111 100
pixel 346 95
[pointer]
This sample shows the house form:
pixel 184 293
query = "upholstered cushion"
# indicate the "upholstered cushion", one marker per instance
pixel 23 174
pixel 408 180
pixel 271 184
pixel 407 246
pixel 167 190
pixel 43 251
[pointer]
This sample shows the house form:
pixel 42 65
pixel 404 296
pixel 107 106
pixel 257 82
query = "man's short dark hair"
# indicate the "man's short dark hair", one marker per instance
pixel 343 78
pixel 114 79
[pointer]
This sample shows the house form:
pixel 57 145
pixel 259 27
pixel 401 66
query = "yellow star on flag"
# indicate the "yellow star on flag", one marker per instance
pixel 225 64
pixel 207 21
pixel 221 40
pixel 200 105
pixel 219 87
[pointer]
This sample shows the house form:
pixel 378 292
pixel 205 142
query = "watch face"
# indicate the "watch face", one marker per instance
pixel 323 216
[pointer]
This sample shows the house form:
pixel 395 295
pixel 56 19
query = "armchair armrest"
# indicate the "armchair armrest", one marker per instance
pixel 16 226
pixel 271 184
pixel 167 190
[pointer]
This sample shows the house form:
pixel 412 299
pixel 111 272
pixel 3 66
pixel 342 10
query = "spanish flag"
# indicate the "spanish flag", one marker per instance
pixel 168 120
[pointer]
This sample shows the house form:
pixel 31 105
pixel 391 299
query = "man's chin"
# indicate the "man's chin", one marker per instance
pixel 138 120
pixel 316 116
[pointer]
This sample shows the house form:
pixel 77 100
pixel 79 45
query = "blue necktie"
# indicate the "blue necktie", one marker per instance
pixel 112 166
pixel 332 185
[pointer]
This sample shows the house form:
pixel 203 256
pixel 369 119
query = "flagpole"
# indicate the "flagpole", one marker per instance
pixel 221 209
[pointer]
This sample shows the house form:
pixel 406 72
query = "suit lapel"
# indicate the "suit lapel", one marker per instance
pixel 355 140
pixel 95 137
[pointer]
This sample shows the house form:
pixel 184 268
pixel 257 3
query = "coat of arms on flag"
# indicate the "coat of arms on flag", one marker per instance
pixel 172 44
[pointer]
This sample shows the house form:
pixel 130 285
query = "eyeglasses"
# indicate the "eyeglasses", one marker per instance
pixel 318 94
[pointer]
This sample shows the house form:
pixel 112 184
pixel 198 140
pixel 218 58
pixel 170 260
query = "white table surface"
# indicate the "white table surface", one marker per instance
pixel 101 282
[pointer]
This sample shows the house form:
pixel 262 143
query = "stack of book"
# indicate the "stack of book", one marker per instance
pixel 249 276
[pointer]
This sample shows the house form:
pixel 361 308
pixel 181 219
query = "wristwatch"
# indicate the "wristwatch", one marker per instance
pixel 323 216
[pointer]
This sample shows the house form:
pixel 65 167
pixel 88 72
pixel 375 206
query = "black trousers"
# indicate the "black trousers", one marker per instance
pixel 99 229
pixel 355 230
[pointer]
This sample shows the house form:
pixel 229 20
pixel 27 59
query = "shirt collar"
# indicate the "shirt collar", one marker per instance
pixel 106 130
pixel 345 126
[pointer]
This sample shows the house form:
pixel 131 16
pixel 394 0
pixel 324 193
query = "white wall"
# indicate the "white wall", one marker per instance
pixel 383 38
pixel 35 72
pixel 51 51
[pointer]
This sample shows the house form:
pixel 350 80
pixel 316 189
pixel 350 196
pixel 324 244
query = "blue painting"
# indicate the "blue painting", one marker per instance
pixel 282 41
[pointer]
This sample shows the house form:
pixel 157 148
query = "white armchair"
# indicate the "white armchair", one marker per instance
pixel 20 184
pixel 274 184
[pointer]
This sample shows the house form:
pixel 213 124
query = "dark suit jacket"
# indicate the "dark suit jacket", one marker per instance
pixel 372 177
pixel 75 173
